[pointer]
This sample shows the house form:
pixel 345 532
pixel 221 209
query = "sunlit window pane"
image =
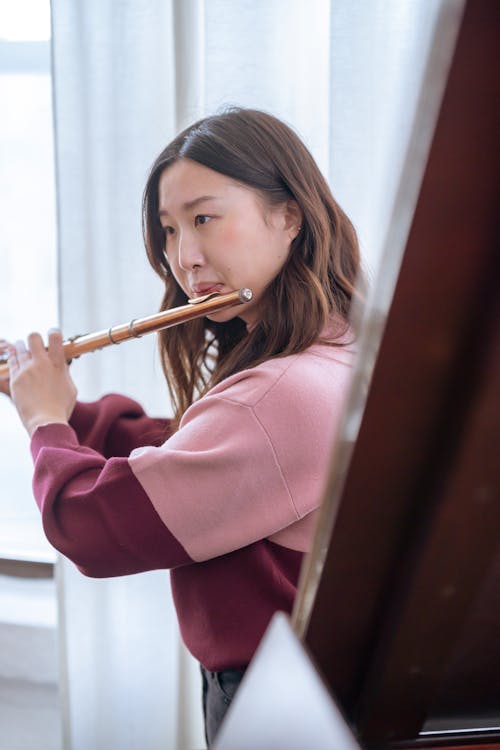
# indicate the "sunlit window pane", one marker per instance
pixel 24 20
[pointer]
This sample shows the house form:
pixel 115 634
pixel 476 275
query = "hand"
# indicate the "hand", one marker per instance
pixel 40 384
pixel 4 379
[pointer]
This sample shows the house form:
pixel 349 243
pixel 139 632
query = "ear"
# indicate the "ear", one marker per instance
pixel 293 218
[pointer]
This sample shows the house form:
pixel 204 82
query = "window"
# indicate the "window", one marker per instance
pixel 28 273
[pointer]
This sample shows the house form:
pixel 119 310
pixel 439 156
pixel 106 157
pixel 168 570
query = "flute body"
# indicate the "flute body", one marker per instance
pixel 196 308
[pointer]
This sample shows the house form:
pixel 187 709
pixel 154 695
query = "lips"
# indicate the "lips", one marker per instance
pixel 207 288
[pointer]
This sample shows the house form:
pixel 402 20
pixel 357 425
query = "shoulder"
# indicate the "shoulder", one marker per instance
pixel 310 386
pixel 267 430
pixel 319 369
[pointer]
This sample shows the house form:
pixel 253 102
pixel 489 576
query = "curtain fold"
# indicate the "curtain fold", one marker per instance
pixel 189 50
pixel 128 74
pixel 114 109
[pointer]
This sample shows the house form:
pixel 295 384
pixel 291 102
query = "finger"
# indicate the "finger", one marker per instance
pixel 36 345
pixel 55 347
pixel 22 354
pixel 12 358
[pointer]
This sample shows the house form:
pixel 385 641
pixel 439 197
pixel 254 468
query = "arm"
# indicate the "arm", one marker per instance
pixel 236 471
pixel 115 425
pixel 213 487
pixel 94 511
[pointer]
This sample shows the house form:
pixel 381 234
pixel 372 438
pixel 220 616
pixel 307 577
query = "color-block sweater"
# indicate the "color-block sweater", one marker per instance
pixel 227 502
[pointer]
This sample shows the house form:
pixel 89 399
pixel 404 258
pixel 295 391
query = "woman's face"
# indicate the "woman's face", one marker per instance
pixel 220 237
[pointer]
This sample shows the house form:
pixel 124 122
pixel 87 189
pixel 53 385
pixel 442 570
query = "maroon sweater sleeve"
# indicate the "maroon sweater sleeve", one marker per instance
pixel 94 511
pixel 115 425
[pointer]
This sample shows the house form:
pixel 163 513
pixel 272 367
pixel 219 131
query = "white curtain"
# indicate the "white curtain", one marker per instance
pixel 115 107
pixel 127 75
pixel 379 50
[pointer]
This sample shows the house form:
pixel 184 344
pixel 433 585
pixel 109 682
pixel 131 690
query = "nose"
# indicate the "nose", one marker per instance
pixel 190 254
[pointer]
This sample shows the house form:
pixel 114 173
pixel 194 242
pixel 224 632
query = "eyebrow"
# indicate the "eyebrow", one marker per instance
pixel 192 204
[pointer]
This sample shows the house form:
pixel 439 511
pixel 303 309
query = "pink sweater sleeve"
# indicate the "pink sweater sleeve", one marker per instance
pixel 248 463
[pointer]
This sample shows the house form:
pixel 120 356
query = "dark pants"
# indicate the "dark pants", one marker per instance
pixel 218 691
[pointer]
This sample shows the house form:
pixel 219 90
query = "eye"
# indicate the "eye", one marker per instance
pixel 167 231
pixel 201 219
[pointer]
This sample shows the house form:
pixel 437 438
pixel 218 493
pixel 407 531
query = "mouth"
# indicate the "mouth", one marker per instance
pixel 200 290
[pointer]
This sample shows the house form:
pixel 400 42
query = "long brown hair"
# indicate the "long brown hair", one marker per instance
pixel 315 285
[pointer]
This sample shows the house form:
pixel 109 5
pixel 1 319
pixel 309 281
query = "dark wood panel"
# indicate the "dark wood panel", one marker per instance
pixel 416 532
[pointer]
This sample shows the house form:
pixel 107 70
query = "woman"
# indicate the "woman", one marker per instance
pixel 226 493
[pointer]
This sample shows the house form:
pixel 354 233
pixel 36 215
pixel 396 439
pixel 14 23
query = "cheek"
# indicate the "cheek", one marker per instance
pixel 230 236
pixel 249 248
pixel 229 249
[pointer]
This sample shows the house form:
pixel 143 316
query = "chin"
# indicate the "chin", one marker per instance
pixel 223 316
